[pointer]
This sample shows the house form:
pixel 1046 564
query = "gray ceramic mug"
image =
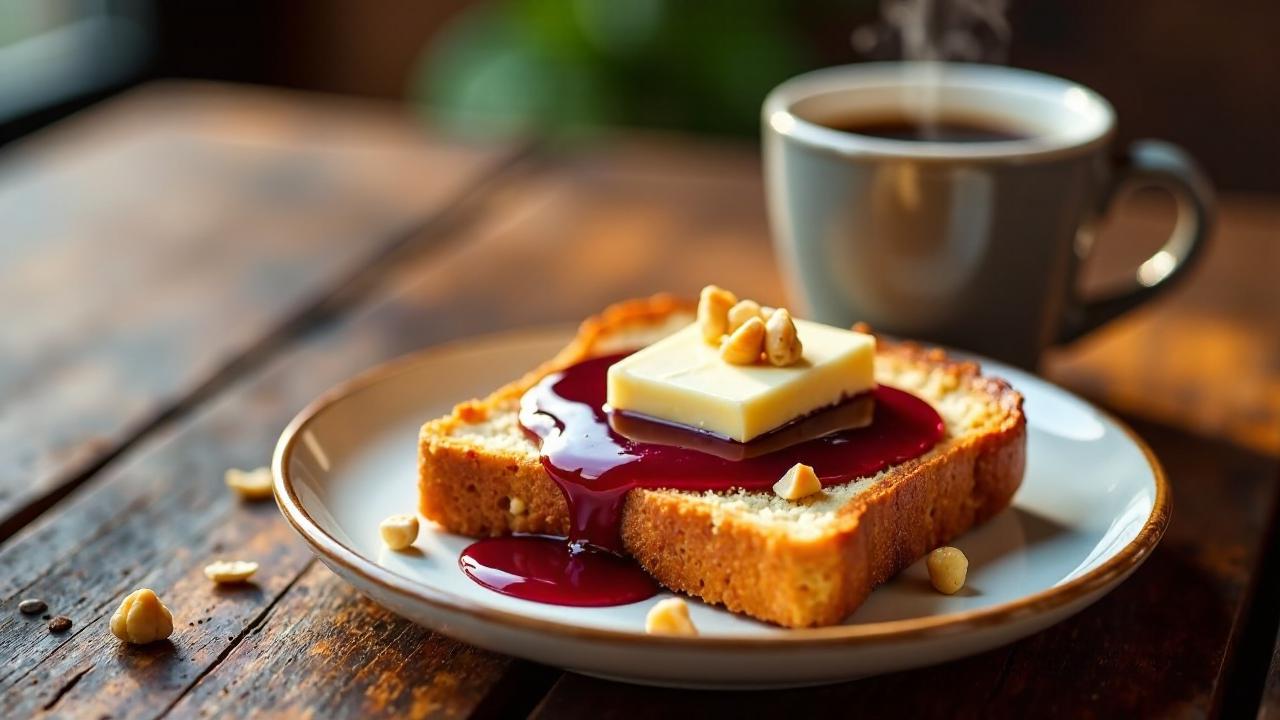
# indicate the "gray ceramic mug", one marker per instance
pixel 971 244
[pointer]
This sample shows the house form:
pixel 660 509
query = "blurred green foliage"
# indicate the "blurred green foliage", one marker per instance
pixel 563 66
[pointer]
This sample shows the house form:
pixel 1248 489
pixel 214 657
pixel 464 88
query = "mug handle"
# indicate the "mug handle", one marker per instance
pixel 1156 164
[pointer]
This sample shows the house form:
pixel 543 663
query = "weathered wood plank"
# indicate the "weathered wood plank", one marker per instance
pixel 346 657
pixel 149 243
pixel 1155 647
pixel 154 518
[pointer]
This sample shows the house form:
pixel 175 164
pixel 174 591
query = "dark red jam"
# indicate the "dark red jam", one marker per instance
pixel 550 570
pixel 596 457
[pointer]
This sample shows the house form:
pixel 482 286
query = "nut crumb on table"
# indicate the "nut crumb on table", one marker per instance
pixel 142 618
pixel 230 571
pixel 251 484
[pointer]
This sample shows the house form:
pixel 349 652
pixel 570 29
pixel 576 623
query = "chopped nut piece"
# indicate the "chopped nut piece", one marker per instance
pixel 744 345
pixel 669 617
pixel 516 506
pixel 947 569
pixel 60 624
pixel 798 482
pixel 713 312
pixel 742 312
pixel 250 485
pixel 399 531
pixel 781 342
pixel 230 571
pixel 142 618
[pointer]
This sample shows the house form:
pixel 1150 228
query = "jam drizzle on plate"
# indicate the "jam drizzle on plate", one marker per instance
pixel 595 465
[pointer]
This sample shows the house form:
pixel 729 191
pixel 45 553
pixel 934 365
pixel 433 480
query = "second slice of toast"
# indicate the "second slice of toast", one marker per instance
pixel 795 563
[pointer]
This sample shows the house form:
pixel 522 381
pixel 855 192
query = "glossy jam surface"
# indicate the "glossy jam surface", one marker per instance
pixel 595 465
pixel 550 570
pixel 596 457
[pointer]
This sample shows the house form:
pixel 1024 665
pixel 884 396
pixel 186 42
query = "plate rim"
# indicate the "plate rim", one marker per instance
pixel 1037 604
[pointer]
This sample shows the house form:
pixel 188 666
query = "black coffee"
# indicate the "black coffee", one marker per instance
pixel 947 130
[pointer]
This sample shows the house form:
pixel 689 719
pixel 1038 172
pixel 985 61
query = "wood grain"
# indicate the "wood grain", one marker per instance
pixel 351 659
pixel 155 517
pixel 151 242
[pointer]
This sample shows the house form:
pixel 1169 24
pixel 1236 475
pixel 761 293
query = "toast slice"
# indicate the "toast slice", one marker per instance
pixel 795 563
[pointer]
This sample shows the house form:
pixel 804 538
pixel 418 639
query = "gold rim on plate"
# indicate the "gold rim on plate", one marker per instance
pixel 324 544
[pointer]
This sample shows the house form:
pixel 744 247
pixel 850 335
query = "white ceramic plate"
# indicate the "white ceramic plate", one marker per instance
pixel 1092 507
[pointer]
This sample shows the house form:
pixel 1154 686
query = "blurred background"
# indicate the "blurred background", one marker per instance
pixel 1173 68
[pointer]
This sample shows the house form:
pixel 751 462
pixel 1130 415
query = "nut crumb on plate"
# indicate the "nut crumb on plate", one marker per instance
pixel 669 617
pixel 399 531
pixel 948 567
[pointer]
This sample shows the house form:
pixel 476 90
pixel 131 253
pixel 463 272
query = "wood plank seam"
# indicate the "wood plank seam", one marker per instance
pixel 1002 676
pixel 251 628
pixel 70 637
pixel 66 640
pixel 106 529
pixel 83 623
pixel 66 688
pixel 1246 662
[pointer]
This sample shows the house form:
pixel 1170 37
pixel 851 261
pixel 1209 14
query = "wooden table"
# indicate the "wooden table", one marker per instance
pixel 183 267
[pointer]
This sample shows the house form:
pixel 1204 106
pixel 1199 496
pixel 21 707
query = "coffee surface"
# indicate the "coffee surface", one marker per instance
pixel 945 130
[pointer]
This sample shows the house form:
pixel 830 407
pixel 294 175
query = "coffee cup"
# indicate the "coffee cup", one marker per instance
pixel 956 203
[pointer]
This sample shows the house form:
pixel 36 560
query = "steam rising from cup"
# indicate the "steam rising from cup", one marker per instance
pixel 933 32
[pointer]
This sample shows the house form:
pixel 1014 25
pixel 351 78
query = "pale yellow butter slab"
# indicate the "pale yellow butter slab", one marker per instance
pixel 682 379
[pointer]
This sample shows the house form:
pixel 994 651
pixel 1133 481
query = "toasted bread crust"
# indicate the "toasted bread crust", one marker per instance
pixel 725 558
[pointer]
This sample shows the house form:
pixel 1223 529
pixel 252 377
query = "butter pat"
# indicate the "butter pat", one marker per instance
pixel 682 379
